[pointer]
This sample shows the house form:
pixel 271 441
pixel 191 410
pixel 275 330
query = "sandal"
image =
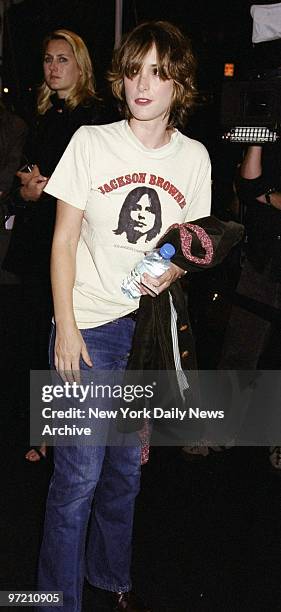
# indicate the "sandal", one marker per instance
pixel 275 457
pixel 36 453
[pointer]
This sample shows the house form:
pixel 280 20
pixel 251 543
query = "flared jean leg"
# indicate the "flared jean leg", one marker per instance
pixel 110 533
pixel 104 479
pixel 71 491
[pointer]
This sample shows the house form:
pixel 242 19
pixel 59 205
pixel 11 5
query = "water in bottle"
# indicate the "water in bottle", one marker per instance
pixel 154 263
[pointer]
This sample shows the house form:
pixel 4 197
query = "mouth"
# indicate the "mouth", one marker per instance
pixel 140 224
pixel 142 101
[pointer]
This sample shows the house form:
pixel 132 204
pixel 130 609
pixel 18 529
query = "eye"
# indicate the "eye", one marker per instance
pixel 47 59
pixel 132 71
pixel 155 71
pixel 63 60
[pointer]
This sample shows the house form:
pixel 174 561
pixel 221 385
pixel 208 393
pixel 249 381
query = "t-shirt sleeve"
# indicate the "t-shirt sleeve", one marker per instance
pixel 200 205
pixel 71 180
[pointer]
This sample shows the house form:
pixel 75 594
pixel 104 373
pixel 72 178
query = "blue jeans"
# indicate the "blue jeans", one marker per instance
pixel 92 493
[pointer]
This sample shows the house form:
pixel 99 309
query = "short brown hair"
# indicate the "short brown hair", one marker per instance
pixel 176 62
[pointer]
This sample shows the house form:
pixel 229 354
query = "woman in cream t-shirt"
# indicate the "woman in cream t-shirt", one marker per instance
pixel 119 188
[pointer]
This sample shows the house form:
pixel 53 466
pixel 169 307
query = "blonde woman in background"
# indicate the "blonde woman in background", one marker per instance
pixel 66 100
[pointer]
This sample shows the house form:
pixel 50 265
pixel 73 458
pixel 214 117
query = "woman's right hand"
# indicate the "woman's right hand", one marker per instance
pixel 32 184
pixel 69 347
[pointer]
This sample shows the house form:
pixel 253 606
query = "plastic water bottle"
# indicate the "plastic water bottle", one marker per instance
pixel 154 263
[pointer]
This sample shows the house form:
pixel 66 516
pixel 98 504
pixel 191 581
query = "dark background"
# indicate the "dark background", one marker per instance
pixel 207 535
pixel 219 34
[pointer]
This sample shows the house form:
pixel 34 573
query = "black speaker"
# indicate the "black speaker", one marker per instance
pixel 251 110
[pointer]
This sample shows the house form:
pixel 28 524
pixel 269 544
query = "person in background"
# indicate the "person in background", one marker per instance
pixel 250 336
pixel 66 100
pixel 152 77
pixel 13 132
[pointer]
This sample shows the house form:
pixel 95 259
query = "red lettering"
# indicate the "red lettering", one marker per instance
pixel 173 190
pixel 160 181
pixel 166 186
pixel 120 181
pixel 180 199
pixel 142 176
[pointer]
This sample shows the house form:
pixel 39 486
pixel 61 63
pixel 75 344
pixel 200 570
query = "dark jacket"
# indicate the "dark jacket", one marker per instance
pixel 263 223
pixel 30 246
pixel 13 131
pixel 199 246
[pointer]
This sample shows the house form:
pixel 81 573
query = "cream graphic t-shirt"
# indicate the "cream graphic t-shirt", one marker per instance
pixel 130 195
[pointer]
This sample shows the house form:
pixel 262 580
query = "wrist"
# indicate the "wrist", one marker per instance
pixel 18 198
pixel 23 195
pixel 65 322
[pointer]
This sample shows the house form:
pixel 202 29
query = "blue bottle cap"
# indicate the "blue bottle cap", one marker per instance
pixel 167 250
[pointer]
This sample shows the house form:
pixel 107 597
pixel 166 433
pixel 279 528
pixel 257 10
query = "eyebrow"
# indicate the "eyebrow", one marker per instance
pixel 58 54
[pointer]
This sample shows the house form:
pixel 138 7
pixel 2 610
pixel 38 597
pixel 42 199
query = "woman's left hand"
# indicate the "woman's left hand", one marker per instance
pixel 153 286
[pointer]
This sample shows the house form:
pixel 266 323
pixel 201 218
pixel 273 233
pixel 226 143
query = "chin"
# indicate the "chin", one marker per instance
pixel 140 114
pixel 52 86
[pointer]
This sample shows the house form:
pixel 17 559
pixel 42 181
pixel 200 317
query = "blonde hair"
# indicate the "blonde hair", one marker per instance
pixel 175 61
pixel 84 89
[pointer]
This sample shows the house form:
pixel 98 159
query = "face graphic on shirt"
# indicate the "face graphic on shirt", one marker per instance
pixel 140 215
pixel 143 215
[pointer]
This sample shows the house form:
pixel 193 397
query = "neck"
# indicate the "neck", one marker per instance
pixel 152 135
pixel 61 94
pixel 57 102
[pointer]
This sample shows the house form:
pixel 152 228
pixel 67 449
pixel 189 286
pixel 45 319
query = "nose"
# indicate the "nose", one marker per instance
pixel 143 84
pixel 53 66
